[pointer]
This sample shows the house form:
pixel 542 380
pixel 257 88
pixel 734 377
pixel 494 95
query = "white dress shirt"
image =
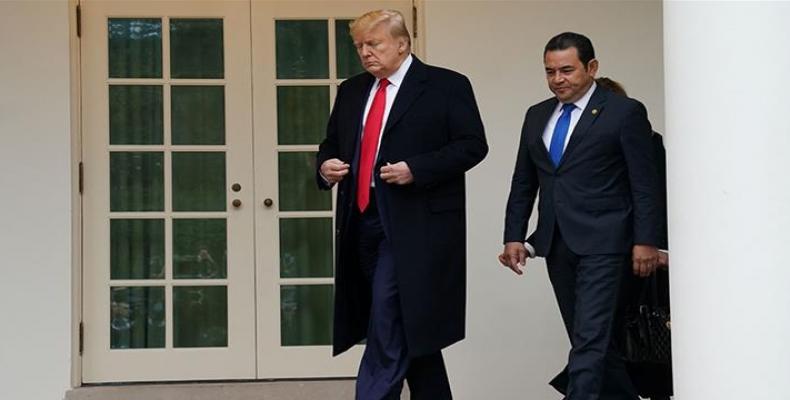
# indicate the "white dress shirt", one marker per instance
pixel 396 79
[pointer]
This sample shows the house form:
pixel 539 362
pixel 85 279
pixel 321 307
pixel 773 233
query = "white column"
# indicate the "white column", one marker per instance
pixel 727 79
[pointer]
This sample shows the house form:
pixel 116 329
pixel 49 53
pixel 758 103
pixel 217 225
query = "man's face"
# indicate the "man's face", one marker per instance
pixel 568 78
pixel 380 53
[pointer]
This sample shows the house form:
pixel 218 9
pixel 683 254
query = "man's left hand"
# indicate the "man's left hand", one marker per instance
pixel 645 259
pixel 398 173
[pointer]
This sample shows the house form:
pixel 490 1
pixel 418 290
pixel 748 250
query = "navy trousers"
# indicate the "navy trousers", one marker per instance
pixel 386 363
pixel 587 288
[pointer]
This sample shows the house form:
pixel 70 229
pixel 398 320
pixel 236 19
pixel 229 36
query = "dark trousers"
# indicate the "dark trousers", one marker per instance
pixel 385 363
pixel 587 288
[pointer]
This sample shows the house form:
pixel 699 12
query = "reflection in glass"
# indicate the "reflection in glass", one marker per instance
pixel 306 315
pixel 348 63
pixel 200 316
pixel 135 47
pixel 137 317
pixel 302 113
pixel 196 48
pixel 199 181
pixel 298 191
pixel 137 248
pixel 305 247
pixel 136 181
pixel 302 49
pixel 135 114
pixel 198 114
pixel 199 248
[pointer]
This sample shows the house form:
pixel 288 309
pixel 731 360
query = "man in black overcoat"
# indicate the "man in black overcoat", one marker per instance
pixel 399 140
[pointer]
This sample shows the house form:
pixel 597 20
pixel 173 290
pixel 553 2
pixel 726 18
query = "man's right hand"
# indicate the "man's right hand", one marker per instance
pixel 514 256
pixel 333 170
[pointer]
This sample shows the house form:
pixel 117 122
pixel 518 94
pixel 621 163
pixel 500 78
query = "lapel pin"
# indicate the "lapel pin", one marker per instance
pixel 594 111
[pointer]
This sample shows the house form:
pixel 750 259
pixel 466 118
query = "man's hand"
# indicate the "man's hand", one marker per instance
pixel 645 260
pixel 398 173
pixel 514 256
pixel 333 170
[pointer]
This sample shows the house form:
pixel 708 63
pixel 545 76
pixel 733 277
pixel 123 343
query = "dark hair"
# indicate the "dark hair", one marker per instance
pixel 567 40
pixel 611 85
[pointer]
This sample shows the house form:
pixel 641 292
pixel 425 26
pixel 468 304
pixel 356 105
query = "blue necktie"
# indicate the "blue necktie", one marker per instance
pixel 560 133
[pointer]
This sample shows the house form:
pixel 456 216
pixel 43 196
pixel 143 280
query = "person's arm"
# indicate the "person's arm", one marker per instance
pixel 523 190
pixel 661 171
pixel 465 148
pixel 638 150
pixel 329 169
pixel 661 162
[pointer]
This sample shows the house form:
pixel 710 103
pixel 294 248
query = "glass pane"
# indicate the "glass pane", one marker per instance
pixel 306 315
pixel 137 249
pixel 348 63
pixel 302 49
pixel 136 181
pixel 198 114
pixel 200 316
pixel 196 48
pixel 137 317
pixel 302 113
pixel 199 181
pixel 135 47
pixel 135 114
pixel 298 189
pixel 199 248
pixel 306 247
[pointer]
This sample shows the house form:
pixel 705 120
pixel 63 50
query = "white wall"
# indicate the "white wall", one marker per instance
pixel 515 342
pixel 35 238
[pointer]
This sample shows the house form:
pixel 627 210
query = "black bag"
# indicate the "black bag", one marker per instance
pixel 646 328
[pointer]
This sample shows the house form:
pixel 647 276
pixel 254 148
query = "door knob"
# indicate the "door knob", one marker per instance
pixel 236 203
pixel 236 187
pixel 268 203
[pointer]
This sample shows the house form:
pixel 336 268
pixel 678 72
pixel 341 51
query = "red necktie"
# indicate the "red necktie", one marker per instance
pixel 370 142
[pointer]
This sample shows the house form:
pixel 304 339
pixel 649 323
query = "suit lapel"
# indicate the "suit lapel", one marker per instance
pixel 412 86
pixel 538 128
pixel 589 114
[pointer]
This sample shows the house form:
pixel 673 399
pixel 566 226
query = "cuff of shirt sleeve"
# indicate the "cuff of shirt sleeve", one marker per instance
pixel 326 181
pixel 530 250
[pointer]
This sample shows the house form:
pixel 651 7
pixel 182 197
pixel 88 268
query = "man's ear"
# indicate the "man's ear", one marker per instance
pixel 403 45
pixel 592 67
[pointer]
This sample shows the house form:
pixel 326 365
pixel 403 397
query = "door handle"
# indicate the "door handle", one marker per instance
pixel 268 203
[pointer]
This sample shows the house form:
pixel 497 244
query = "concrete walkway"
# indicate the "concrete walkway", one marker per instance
pixel 264 390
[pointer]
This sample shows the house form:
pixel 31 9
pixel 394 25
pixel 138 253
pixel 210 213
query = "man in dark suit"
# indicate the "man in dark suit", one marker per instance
pixel 652 381
pixel 399 140
pixel 589 154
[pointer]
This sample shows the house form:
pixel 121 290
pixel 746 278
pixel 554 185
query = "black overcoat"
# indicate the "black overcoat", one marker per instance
pixel 435 127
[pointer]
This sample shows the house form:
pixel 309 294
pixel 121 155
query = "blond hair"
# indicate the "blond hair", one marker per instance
pixel 371 19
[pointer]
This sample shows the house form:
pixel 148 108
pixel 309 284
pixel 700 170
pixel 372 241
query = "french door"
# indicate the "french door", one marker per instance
pixel 208 252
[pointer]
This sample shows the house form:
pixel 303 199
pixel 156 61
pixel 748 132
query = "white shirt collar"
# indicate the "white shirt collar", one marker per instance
pixel 581 104
pixel 397 78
